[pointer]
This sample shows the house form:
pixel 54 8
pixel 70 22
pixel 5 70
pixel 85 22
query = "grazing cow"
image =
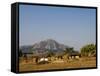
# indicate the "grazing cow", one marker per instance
pixel 42 60
pixel 74 56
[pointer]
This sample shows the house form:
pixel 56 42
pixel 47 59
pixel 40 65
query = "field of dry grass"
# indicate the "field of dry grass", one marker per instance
pixel 62 64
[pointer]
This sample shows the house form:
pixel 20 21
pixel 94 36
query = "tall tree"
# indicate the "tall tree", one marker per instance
pixel 69 50
pixel 88 50
pixel 20 53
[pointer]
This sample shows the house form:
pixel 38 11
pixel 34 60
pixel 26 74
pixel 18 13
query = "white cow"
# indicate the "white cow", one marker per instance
pixel 43 60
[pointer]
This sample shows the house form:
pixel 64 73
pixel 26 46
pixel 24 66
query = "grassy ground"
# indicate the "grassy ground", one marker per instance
pixel 61 64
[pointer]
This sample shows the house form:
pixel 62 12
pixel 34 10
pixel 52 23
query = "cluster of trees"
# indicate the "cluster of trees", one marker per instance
pixel 69 50
pixel 88 50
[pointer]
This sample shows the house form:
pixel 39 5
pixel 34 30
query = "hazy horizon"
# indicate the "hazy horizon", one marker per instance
pixel 74 27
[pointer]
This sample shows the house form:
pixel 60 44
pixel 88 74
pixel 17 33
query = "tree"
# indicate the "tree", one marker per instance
pixel 20 53
pixel 69 50
pixel 88 50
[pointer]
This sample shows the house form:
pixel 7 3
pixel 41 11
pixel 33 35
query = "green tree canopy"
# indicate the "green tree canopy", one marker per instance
pixel 88 50
pixel 70 50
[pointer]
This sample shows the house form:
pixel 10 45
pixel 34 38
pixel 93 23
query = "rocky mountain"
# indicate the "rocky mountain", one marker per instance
pixel 49 44
pixel 43 47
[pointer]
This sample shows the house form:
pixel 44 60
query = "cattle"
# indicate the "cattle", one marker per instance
pixel 74 56
pixel 42 60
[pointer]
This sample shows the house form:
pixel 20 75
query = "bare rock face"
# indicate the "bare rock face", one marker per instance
pixel 43 48
pixel 50 45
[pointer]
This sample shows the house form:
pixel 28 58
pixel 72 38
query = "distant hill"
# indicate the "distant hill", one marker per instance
pixel 50 45
pixel 26 49
pixel 45 47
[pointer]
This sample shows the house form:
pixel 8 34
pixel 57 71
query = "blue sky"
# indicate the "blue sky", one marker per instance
pixel 70 26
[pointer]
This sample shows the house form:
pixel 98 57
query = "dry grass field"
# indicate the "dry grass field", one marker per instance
pixel 59 64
